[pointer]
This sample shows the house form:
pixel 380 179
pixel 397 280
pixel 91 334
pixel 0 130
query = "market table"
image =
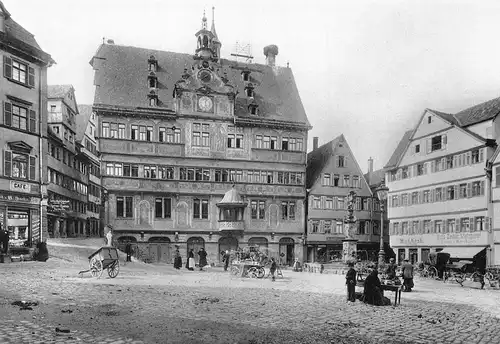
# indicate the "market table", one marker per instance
pixel 397 289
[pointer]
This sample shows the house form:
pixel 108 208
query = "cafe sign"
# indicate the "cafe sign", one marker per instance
pixel 444 239
pixel 20 186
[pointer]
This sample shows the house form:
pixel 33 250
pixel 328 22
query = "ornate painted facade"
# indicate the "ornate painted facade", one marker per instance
pixel 178 130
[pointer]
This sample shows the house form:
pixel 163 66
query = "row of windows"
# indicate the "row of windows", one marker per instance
pixel 204 174
pixel 95 190
pixel 68 135
pixel 68 158
pixel 464 224
pixel 341 203
pixel 91 147
pixel 440 194
pixel 336 226
pixel 19 165
pixel 20 117
pixel 93 207
pixel 475 156
pixel 66 182
pixel 346 181
pixel 163 208
pixel 201 136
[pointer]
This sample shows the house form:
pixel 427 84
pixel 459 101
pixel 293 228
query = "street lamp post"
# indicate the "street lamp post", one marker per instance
pixel 382 192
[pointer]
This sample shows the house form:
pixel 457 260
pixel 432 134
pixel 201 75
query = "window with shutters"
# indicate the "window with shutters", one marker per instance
pixel 347 182
pixel 336 179
pixel 317 202
pixel 356 182
pixel 20 166
pixel 438 195
pixel 404 228
pixel 329 203
pixel 437 143
pixel 420 169
pixel 451 225
pixel 395 228
pixel 438 224
pixel 464 224
pixel 479 223
pixel 327 179
pixel 476 188
pixel 19 117
pixel 404 172
pixel 427 226
pixel 450 192
pixel 314 226
pixel 19 72
pixel 463 190
pixel 414 197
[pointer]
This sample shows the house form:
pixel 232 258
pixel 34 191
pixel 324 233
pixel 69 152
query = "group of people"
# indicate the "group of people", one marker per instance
pixel 373 291
pixel 190 262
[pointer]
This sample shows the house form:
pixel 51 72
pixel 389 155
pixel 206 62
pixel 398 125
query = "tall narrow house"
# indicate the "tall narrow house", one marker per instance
pixel 23 94
pixel 332 172
pixel 200 151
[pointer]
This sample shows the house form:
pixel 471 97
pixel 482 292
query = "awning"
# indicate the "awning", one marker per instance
pixel 463 252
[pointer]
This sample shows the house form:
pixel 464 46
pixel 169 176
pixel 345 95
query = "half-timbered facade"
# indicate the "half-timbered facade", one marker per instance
pixel 177 131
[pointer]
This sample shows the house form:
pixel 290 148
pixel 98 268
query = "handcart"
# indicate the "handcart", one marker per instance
pixel 104 258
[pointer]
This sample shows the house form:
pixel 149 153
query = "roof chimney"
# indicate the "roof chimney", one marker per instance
pixel 370 165
pixel 315 143
pixel 271 51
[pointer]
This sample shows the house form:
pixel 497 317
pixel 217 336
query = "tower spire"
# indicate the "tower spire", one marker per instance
pixel 213 23
pixel 204 21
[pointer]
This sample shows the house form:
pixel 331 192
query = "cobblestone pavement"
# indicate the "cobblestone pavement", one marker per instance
pixel 158 304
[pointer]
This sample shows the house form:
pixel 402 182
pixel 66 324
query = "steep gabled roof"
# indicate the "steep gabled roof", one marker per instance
pixel 317 159
pixel 479 113
pixel 375 178
pixel 20 37
pixel 58 91
pixel 400 149
pixel 82 121
pixel 121 79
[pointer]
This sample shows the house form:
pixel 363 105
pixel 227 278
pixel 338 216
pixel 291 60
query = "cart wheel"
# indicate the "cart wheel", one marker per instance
pixel 114 269
pixel 433 273
pixel 460 280
pixel 235 270
pixel 261 272
pixel 490 279
pixel 253 272
pixel 96 268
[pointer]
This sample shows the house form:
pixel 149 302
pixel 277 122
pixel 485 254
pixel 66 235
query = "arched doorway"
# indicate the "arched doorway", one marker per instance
pixel 123 240
pixel 287 251
pixel 227 243
pixel 195 243
pixel 260 242
pixel 159 250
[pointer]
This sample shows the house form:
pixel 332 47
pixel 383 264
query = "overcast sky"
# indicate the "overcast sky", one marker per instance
pixel 367 69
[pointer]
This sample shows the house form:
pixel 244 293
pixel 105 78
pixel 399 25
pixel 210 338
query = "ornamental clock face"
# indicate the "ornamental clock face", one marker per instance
pixel 205 104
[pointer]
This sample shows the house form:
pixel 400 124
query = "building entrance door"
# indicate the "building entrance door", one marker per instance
pixel 227 243
pixel 195 243
pixel 287 251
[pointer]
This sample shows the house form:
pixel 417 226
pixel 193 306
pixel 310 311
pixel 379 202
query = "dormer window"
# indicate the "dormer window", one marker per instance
pixel 252 108
pixel 152 80
pixel 249 90
pixel 153 99
pixel 245 75
pixel 152 64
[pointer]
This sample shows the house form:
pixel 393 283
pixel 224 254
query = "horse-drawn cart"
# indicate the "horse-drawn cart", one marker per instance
pixel 104 258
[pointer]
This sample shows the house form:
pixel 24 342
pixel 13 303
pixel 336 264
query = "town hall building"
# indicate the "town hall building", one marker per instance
pixel 200 151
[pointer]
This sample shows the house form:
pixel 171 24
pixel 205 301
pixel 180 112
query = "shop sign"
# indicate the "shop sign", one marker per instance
pixel 57 204
pixel 20 186
pixel 445 239
pixel 17 198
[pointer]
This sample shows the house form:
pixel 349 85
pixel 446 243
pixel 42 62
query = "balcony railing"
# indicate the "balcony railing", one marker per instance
pixel 231 225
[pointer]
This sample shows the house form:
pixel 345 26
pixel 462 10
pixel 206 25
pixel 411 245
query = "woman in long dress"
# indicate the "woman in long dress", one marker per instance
pixel 203 258
pixel 190 260
pixel 177 259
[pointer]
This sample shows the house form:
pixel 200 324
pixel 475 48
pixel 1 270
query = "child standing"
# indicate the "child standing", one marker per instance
pixel 273 268
pixel 350 281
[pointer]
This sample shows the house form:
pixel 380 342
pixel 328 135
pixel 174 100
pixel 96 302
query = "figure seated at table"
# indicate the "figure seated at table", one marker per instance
pixel 372 293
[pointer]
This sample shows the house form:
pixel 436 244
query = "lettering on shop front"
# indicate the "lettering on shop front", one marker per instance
pixel 20 187
pixel 462 238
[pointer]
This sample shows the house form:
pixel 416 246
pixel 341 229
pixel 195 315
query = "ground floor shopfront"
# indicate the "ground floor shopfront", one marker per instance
pixel 160 247
pixel 460 245
pixel 329 252
pixel 66 226
pixel 20 215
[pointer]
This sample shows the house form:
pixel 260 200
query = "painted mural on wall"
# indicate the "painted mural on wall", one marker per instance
pixel 182 214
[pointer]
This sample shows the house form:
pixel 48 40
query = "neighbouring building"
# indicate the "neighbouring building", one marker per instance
pixel 332 172
pixel 439 196
pixel 66 168
pixel 23 94
pixel 177 131
pixel 88 150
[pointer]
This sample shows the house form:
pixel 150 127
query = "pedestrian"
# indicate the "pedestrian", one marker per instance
pixel 225 259
pixel 4 239
pixel 272 270
pixel 190 260
pixel 177 258
pixel 128 251
pixel 203 258
pixel 407 275
pixel 109 237
pixel 391 269
pixel 350 281
pixel 372 293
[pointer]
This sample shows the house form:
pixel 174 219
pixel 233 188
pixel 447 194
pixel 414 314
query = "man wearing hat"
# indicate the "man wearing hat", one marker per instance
pixel 407 275
pixel 391 269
